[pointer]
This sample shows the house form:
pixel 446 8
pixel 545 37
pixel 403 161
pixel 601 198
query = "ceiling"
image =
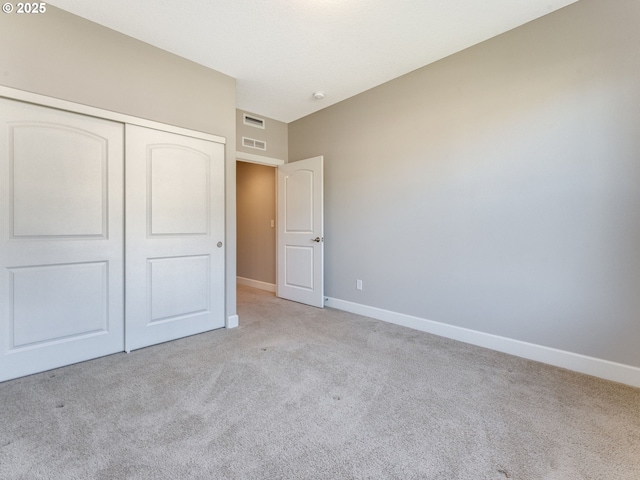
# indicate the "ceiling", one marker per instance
pixel 282 51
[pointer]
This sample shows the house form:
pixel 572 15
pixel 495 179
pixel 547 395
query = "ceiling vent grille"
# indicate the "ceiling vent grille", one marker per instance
pixel 253 143
pixel 253 121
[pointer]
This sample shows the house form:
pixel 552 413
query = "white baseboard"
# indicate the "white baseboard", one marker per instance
pixel 606 369
pixel 269 287
pixel 232 321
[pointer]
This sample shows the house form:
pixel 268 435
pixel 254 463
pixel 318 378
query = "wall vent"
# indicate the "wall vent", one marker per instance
pixel 253 143
pixel 253 121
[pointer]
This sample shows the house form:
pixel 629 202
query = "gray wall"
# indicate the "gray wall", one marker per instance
pixel 497 189
pixel 275 134
pixel 256 206
pixel 61 55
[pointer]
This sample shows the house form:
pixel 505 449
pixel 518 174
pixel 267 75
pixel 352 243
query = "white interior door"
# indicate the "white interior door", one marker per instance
pixel 301 232
pixel 61 238
pixel 174 234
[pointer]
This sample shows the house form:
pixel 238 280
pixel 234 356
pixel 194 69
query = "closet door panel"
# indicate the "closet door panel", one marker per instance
pixel 61 238
pixel 174 234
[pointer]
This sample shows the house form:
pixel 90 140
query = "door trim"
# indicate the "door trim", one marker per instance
pixel 259 159
pixel 44 101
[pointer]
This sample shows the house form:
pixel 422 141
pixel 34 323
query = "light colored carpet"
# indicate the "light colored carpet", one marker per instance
pixel 302 393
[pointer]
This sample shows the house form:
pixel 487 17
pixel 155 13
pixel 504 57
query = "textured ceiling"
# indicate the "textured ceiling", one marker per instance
pixel 281 51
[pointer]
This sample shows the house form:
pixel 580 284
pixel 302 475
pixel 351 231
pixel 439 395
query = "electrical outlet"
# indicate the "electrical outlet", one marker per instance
pixel 359 284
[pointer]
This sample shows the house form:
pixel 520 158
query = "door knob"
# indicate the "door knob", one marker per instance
pixel 317 239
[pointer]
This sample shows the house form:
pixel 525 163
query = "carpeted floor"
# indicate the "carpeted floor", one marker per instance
pixel 301 393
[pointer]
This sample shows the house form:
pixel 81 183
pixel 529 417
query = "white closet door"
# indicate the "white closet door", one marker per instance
pixel 61 238
pixel 174 234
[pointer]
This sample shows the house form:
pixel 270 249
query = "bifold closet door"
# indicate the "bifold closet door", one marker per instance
pixel 174 236
pixel 61 238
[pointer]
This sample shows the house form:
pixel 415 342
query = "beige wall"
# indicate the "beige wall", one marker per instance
pixel 256 200
pixel 64 56
pixel 497 189
pixel 275 134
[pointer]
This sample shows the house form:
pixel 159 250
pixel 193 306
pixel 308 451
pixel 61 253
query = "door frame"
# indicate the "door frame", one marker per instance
pixel 44 101
pixel 269 162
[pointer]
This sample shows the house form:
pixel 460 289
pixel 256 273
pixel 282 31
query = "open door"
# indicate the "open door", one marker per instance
pixel 301 232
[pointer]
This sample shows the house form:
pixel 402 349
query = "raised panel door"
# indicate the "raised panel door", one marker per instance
pixel 300 275
pixel 61 238
pixel 175 230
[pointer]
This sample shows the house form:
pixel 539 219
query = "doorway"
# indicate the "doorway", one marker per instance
pixel 256 225
pixel 280 229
